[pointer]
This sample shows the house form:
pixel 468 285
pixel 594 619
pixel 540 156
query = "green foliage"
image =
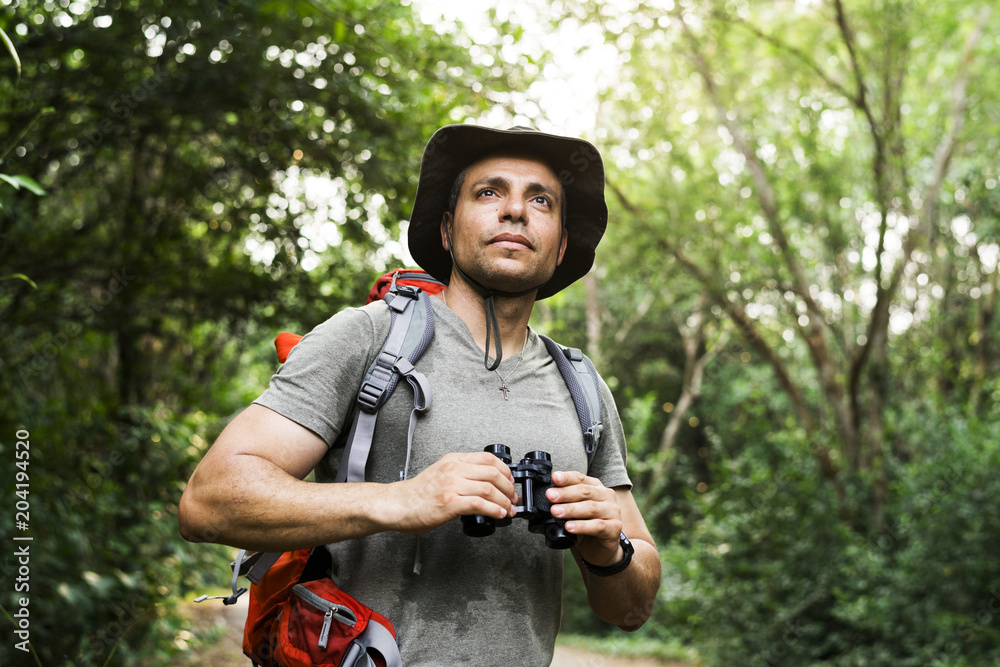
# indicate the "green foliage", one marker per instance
pixel 771 577
pixel 805 195
pixel 11 50
pixel 26 182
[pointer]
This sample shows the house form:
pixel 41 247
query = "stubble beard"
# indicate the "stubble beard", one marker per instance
pixel 488 272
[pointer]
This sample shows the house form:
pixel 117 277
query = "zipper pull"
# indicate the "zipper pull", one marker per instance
pixel 324 633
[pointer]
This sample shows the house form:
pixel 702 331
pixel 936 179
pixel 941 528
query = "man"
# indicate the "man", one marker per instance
pixel 504 218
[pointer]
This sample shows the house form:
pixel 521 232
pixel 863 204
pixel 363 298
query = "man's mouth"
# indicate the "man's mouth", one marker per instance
pixel 512 242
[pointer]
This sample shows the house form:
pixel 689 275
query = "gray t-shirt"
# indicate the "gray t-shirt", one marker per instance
pixel 476 601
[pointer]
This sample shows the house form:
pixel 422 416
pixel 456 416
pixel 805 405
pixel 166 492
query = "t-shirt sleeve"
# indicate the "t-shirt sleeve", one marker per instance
pixel 317 385
pixel 609 459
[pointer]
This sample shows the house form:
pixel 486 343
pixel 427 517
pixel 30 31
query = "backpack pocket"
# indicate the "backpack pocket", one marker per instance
pixel 322 626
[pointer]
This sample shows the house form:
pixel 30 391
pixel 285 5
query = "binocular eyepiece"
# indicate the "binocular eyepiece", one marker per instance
pixel 534 477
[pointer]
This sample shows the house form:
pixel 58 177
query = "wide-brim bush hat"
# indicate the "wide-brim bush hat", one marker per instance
pixel 576 163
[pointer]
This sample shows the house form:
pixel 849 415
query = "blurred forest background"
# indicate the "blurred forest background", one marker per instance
pixel 795 303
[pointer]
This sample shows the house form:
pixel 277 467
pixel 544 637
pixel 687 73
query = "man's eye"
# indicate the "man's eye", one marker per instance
pixel 542 200
pixel 487 192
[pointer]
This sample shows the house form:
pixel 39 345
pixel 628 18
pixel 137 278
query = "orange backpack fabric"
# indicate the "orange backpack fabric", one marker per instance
pixel 324 626
pixel 266 599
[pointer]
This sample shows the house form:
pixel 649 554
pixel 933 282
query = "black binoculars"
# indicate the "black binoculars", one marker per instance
pixel 534 477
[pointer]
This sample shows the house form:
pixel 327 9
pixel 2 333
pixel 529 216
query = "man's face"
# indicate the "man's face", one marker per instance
pixel 507 228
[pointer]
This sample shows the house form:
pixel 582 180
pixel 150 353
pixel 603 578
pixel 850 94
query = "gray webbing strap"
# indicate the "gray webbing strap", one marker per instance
pixel 237 571
pixel 359 440
pixel 391 363
pixel 582 381
pixel 421 403
pixel 377 638
pixel 263 564
pixel 359 444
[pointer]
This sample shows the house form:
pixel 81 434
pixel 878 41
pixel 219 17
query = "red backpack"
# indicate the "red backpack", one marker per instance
pixel 298 617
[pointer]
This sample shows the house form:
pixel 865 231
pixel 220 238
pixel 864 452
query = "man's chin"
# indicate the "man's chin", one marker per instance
pixel 512 275
pixel 515 283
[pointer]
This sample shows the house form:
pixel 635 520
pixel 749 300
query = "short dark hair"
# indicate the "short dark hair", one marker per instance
pixel 456 190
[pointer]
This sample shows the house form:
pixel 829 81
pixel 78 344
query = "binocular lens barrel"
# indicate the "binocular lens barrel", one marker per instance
pixel 556 537
pixel 502 452
pixel 477 525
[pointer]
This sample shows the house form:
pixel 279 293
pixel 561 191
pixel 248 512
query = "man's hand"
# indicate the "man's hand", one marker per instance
pixel 454 485
pixel 592 514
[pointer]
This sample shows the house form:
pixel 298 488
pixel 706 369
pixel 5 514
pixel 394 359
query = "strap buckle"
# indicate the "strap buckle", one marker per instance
pixel 373 388
pixel 407 291
pixel 403 290
pixel 592 436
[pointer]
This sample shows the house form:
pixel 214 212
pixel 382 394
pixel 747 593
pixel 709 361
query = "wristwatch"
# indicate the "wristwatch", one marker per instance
pixel 609 570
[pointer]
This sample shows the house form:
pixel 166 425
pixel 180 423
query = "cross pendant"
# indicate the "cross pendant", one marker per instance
pixel 503 388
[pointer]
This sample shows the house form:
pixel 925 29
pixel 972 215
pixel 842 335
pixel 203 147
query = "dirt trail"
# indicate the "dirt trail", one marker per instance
pixel 567 656
pixel 228 652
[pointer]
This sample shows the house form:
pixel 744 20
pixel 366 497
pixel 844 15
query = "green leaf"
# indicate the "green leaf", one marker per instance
pixel 20 276
pixel 25 182
pixel 13 51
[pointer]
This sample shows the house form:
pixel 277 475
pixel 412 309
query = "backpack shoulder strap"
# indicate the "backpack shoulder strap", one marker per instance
pixel 584 386
pixel 411 329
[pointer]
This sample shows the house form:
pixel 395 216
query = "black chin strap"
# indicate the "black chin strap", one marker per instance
pixel 492 322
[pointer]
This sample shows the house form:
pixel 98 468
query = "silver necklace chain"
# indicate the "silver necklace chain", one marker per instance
pixel 503 380
pixel 520 355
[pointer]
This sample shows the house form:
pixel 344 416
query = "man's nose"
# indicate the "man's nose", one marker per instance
pixel 513 209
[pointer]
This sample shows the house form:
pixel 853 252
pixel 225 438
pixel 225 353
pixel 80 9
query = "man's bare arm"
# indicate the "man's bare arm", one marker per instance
pixel 626 599
pixel 248 491
pixel 598 515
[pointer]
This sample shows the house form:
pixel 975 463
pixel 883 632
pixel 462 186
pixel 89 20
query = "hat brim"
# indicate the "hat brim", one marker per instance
pixel 576 163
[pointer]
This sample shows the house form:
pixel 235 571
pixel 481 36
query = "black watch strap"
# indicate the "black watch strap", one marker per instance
pixel 616 567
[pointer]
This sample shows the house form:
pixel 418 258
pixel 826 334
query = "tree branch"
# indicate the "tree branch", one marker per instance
pixel 879 320
pixel 815 334
pixel 750 334
pixel 694 373
pixel 798 54
pixel 860 97
pixel 879 162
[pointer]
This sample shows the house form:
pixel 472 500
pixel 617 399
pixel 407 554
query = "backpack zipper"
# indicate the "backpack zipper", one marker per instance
pixel 331 611
pixel 324 633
